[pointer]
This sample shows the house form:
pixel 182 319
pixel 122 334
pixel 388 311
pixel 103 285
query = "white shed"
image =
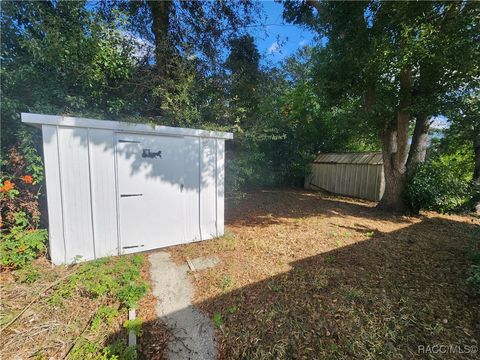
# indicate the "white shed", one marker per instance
pixel 117 188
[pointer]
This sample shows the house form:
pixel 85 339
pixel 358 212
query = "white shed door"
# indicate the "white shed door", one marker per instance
pixel 150 174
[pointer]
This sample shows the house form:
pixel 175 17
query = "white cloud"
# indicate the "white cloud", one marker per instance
pixel 274 48
pixel 303 43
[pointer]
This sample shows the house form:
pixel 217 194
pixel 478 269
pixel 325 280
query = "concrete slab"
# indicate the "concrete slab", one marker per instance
pixel 201 263
pixel 192 329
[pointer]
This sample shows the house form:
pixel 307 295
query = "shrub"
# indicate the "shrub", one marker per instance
pixel 134 325
pixel 28 274
pixel 474 276
pixel 21 245
pixel 20 181
pixel 131 293
pixel 437 186
pixel 118 278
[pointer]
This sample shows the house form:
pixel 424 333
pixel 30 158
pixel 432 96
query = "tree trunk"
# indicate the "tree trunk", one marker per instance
pixel 418 148
pixel 395 179
pixel 476 170
pixel 395 150
pixel 160 25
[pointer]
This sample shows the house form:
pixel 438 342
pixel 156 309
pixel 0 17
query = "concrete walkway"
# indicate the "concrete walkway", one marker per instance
pixel 193 331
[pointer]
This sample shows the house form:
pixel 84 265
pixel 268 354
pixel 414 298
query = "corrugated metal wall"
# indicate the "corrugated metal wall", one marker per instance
pixel 362 180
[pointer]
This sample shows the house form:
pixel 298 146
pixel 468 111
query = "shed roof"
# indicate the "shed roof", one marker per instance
pixel 370 158
pixel 68 121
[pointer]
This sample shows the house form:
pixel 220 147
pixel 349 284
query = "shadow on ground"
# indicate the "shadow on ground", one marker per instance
pixel 383 297
pixel 268 207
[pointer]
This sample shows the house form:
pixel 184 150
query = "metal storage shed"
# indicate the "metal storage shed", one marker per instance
pixel 116 188
pixel 353 174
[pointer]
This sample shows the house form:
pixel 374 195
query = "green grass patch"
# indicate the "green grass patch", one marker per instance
pixel 116 278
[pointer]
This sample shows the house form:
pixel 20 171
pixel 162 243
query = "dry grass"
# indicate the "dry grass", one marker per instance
pixel 44 328
pixel 69 319
pixel 305 275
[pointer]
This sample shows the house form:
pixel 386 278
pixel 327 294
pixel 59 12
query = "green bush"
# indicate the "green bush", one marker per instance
pixel 118 278
pixel 437 186
pixel 474 276
pixel 131 293
pixel 21 245
pixel 134 325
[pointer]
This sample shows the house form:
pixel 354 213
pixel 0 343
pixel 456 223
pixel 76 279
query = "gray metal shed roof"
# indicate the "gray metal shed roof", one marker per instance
pixel 371 158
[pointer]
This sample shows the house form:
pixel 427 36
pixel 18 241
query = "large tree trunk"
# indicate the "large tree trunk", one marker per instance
pixel 395 177
pixel 160 25
pixel 395 150
pixel 418 148
pixel 476 170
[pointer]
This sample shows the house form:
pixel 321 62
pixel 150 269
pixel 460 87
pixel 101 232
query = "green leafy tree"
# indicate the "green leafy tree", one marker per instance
pixel 196 32
pixel 464 116
pixel 244 77
pixel 60 57
pixel 394 64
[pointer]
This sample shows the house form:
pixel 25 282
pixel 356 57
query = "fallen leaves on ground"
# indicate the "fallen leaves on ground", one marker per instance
pixel 311 276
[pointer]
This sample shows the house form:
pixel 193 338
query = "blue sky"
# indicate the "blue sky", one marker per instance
pixel 279 39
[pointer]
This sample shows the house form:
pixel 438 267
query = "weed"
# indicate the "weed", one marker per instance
pixel 329 259
pixel 353 294
pixel 227 242
pixel 119 278
pixel 138 260
pixel 232 309
pixel 134 325
pixel 333 349
pixel 320 282
pixel 21 245
pixel 121 350
pixel 93 350
pixel 370 233
pixel 62 292
pixel 105 314
pixel 474 275
pixel 227 282
pixel 217 320
pixel 29 274
pixel 270 315
pixel 333 234
pixel 276 287
pixel 131 293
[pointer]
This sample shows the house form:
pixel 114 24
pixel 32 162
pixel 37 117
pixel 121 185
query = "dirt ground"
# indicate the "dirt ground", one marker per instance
pixel 311 276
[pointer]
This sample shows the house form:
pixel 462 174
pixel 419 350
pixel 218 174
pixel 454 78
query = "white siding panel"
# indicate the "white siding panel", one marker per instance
pixel 208 166
pixel 75 177
pixel 220 186
pixel 192 189
pixel 102 181
pixel 54 196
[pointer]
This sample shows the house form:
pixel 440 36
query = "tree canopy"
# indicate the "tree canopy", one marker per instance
pixel 395 65
pixel 377 75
